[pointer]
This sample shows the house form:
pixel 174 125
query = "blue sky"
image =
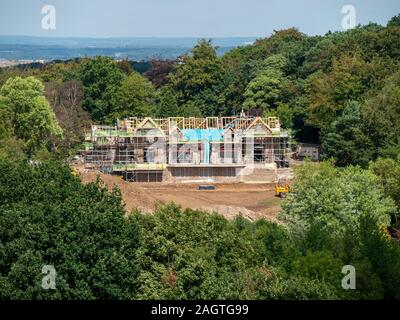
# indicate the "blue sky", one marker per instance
pixel 186 18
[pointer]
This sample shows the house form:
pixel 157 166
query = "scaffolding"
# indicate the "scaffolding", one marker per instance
pixel 140 149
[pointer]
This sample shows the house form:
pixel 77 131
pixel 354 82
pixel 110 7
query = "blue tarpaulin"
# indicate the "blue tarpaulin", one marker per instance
pixel 206 136
pixel 207 152
pixel 203 134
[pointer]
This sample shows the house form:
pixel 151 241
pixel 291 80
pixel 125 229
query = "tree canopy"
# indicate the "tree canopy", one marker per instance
pixel 135 96
pixel 334 217
pixel 28 113
pixel 100 78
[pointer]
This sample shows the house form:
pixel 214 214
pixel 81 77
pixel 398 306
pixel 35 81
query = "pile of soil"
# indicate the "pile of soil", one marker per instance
pixel 133 195
pixel 252 201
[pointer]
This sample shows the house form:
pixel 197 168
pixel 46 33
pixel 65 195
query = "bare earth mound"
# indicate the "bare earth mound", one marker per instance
pixel 252 201
pixel 133 195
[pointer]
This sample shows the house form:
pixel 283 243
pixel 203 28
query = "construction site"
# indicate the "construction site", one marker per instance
pixel 177 149
pixel 158 161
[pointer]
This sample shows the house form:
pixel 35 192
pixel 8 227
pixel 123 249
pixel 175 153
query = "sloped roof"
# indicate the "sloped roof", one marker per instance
pixel 257 123
pixel 148 123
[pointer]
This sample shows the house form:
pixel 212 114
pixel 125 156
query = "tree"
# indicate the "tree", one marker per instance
pixel 329 92
pixel 125 66
pixel 331 202
pixel 12 149
pixel 190 109
pixel 381 117
pixel 340 216
pixel 198 79
pixel 159 71
pixel 48 217
pixel 275 62
pixel 285 115
pixel 264 90
pixel 321 265
pixel 394 21
pixel 167 103
pixel 66 99
pixel 6 125
pixel 100 77
pixel 274 284
pixel 345 140
pixel 134 97
pixel 388 170
pixel 195 255
pixel 383 253
pixel 32 119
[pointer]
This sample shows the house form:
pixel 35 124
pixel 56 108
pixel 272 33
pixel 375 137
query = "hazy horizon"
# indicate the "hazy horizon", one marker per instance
pixel 185 18
pixel 133 48
pixel 141 30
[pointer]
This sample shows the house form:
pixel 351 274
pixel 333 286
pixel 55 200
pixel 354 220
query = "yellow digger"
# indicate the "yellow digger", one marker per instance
pixel 75 172
pixel 282 188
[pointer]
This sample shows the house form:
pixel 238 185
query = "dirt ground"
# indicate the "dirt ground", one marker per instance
pixel 133 195
pixel 251 200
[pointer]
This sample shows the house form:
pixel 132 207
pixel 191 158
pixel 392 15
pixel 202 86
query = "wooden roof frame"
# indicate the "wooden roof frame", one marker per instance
pixel 258 120
pixel 146 120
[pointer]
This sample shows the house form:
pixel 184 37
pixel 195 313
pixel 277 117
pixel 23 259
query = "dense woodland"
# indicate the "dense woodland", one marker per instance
pixel 341 90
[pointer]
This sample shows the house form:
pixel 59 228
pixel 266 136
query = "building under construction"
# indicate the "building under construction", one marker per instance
pixel 225 149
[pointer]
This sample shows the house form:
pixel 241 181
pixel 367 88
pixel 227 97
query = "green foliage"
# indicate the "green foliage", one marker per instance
pixel 340 89
pixel 59 72
pixel 198 79
pixel 285 115
pixel 321 265
pixel 134 96
pixel 167 103
pixel 333 202
pixel 383 254
pixel 12 149
pixel 188 255
pixel 6 125
pixel 190 109
pixel 193 255
pixel 337 217
pixel 275 284
pixel 381 117
pixel 263 91
pixel 47 217
pixel 345 140
pixel 311 82
pixel 65 99
pixel 388 170
pixel 328 92
pixel 368 282
pixel 100 78
pixel 394 22
pixel 32 119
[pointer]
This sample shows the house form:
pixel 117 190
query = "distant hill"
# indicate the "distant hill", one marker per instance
pixel 50 48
